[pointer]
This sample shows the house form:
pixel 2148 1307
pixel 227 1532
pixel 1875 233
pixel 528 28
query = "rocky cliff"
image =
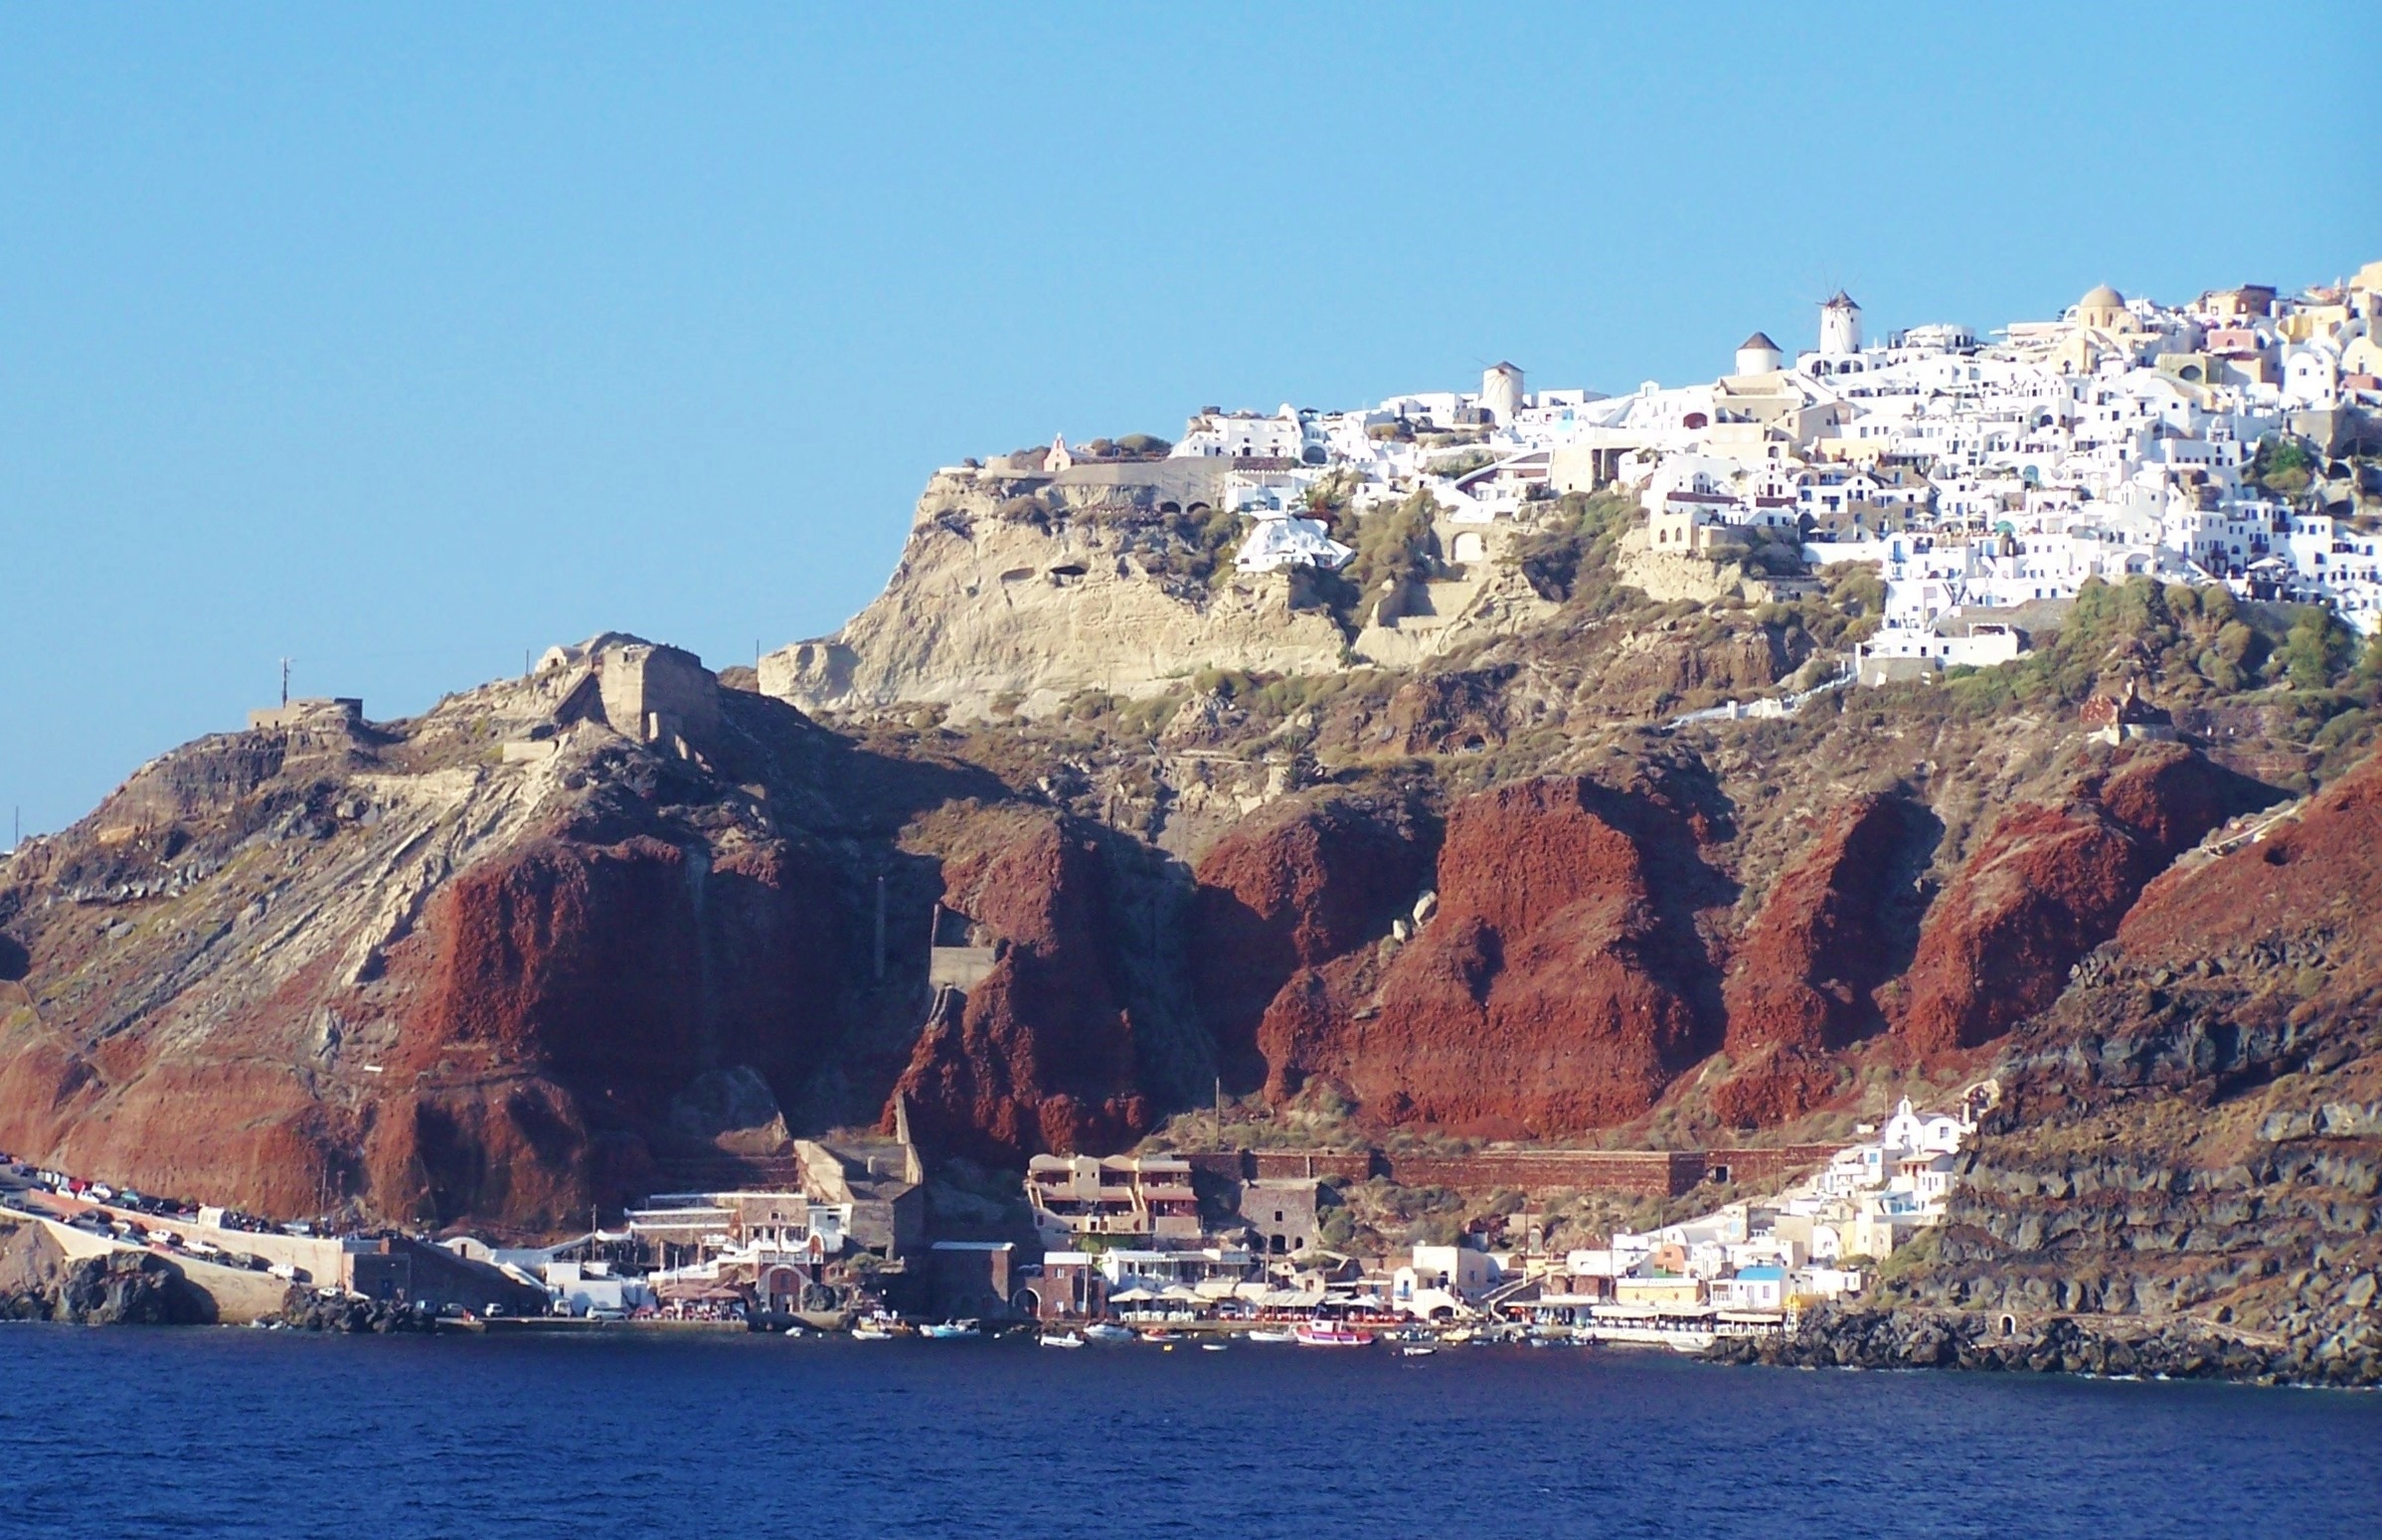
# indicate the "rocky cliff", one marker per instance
pixel 1035 588
pixel 2195 1126
pixel 616 924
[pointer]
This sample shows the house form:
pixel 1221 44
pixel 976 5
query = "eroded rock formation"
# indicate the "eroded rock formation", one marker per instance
pixel 2048 885
pixel 1293 888
pixel 1831 930
pixel 1040 1054
pixel 1558 986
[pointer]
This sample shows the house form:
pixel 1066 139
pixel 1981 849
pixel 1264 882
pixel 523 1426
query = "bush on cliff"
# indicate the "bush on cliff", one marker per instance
pixel 1572 555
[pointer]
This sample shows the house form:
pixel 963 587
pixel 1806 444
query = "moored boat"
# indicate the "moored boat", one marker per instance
pixel 1318 1334
pixel 1107 1331
pixel 944 1331
pixel 1265 1335
pixel 1060 1339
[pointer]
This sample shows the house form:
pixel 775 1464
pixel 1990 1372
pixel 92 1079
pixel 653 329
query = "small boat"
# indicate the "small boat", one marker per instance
pixel 865 1332
pixel 1107 1331
pixel 1211 1347
pixel 1060 1339
pixel 1460 1335
pixel 946 1330
pixel 1267 1335
pixel 1313 1334
pixel 796 1332
pixel 1411 1350
pixel 1161 1334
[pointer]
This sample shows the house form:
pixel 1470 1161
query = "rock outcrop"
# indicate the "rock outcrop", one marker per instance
pixel 1830 932
pixel 1034 588
pixel 1294 887
pixel 1038 1054
pixel 2049 883
pixel 1833 1337
pixel 1560 985
pixel 39 1282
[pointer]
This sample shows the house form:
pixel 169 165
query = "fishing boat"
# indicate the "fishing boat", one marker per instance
pixel 1415 1350
pixel 1318 1334
pixel 1268 1334
pixel 945 1331
pixel 868 1331
pixel 1107 1331
pixel 1161 1334
pixel 1211 1347
pixel 1060 1339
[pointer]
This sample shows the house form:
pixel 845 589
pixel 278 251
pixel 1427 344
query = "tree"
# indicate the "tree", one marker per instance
pixel 2317 647
pixel 2283 465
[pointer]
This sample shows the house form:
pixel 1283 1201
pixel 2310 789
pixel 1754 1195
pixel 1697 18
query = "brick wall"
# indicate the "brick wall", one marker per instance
pixel 1654 1173
pixel 1639 1173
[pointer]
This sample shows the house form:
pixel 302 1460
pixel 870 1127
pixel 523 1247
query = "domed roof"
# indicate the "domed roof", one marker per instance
pixel 2103 297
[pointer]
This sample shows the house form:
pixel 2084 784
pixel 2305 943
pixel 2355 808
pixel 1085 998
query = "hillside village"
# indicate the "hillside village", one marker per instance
pixel 2124 438
pixel 1239 1242
pixel 1382 775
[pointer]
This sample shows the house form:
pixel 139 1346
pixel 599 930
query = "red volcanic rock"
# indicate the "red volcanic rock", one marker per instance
pixel 1822 941
pixel 1291 889
pixel 2315 872
pixel 2047 886
pixel 1803 978
pixel 2240 967
pixel 548 1006
pixel 1038 1055
pixel 568 991
pixel 1553 991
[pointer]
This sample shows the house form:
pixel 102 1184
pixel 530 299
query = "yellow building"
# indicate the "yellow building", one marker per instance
pixel 2104 310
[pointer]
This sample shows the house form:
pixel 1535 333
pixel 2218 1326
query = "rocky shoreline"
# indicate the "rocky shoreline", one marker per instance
pixel 126 1290
pixel 1832 1337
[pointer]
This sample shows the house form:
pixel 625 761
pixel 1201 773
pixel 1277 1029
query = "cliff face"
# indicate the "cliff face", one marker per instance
pixel 1039 588
pixel 2050 884
pixel 1803 981
pixel 1291 889
pixel 1559 985
pixel 564 939
pixel 1040 1054
pixel 2196 1124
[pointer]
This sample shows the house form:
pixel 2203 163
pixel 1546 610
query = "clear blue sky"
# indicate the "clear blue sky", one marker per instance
pixel 399 341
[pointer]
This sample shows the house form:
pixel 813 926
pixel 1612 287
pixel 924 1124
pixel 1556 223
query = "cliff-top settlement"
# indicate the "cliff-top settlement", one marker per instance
pixel 1562 820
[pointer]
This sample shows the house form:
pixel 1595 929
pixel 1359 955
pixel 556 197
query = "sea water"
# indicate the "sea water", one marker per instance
pixel 194 1432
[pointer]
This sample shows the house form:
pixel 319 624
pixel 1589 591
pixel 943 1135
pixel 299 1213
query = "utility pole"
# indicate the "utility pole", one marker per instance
pixel 880 960
pixel 286 681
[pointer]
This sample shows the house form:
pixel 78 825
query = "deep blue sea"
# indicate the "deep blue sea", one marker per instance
pixel 134 1432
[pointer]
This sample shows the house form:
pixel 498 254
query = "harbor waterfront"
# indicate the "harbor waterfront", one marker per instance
pixel 217 1432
